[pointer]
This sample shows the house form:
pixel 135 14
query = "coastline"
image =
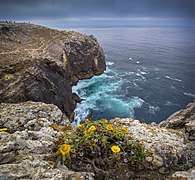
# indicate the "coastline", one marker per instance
pixel 29 130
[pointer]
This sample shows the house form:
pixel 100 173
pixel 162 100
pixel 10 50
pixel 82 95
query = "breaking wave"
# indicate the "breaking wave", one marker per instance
pixel 102 98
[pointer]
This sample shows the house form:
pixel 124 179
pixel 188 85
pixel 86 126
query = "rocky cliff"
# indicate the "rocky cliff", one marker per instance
pixel 33 129
pixel 42 64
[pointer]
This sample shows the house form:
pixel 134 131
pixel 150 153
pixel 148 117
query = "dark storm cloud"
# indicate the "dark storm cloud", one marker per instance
pixel 53 9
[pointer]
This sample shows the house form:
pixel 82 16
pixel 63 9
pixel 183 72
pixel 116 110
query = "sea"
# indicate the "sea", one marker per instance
pixel 150 74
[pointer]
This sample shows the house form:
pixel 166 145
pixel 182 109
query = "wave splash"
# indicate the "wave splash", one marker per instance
pixel 189 94
pixel 174 79
pixel 102 98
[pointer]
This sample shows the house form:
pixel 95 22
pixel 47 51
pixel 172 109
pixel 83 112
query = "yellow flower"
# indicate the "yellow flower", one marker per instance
pixel 125 129
pixel 92 128
pixel 109 127
pixel 87 133
pixel 115 149
pixel 65 149
pixel 103 120
pixel 80 125
pixel 3 129
pixel 87 121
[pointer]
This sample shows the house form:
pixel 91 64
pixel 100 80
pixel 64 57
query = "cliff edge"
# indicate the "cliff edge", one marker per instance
pixel 42 64
pixel 29 133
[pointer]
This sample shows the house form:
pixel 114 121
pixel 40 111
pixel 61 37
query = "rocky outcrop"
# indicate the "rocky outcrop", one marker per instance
pixel 25 147
pixel 167 150
pixel 30 116
pixel 42 64
pixel 34 127
pixel 184 175
pixel 183 120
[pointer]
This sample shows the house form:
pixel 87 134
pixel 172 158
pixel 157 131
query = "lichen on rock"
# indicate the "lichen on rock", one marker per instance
pixel 29 140
pixel 26 148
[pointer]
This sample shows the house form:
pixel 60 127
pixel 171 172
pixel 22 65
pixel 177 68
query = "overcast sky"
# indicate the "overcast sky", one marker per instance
pixel 95 10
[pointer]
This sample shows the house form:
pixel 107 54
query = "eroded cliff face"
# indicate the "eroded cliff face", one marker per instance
pixel 42 64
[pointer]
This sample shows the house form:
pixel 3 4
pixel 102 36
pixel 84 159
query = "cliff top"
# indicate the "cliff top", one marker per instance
pixel 21 41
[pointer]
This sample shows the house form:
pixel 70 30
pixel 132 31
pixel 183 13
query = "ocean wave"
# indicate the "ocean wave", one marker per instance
pixel 169 103
pixel 153 109
pixel 168 77
pixel 102 98
pixel 143 73
pixel 140 75
pixel 109 63
pixel 189 94
pixel 134 76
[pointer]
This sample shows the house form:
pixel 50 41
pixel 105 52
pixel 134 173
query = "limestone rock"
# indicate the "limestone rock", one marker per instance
pixel 33 128
pixel 25 148
pixel 183 120
pixel 166 147
pixel 30 116
pixel 184 175
pixel 41 64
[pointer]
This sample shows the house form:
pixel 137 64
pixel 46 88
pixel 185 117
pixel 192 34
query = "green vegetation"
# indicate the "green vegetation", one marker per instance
pixel 99 147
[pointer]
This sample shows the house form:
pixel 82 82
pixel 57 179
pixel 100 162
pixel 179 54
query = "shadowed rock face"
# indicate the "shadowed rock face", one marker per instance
pixel 42 64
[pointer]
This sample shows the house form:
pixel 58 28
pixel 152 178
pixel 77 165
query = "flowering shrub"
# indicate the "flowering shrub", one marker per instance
pixel 99 147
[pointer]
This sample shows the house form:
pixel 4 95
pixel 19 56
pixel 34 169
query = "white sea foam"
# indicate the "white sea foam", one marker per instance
pixel 142 72
pixel 129 73
pixel 189 94
pixel 107 70
pixel 126 74
pixel 169 103
pixel 153 109
pixel 109 63
pixel 140 75
pixel 100 94
pixel 168 77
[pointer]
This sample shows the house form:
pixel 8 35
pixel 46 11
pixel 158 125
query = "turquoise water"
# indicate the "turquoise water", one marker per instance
pixel 150 74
